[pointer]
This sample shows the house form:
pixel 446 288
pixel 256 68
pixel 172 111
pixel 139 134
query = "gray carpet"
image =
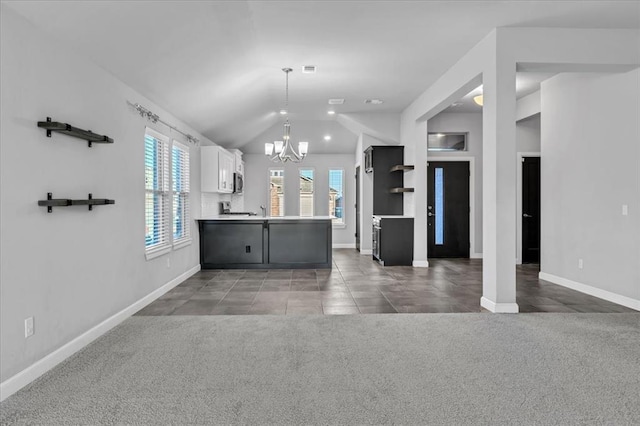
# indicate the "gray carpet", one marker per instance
pixel 365 369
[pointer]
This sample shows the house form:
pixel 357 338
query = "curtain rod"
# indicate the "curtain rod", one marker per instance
pixel 144 112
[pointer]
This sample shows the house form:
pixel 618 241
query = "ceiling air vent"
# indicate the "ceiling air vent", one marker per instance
pixel 336 101
pixel 309 69
pixel 373 101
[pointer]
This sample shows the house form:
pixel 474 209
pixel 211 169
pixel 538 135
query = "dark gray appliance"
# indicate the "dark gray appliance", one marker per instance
pixel 392 240
pixel 238 183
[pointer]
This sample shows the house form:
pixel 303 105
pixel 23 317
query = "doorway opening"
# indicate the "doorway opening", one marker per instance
pixel 530 218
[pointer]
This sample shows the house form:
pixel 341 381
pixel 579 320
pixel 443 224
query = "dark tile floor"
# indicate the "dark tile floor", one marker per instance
pixel 357 285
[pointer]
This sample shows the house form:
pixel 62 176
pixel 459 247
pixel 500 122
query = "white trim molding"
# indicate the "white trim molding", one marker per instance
pixel 420 263
pixel 344 245
pixel 31 373
pixel 499 308
pixel 475 256
pixel 366 252
pixel 592 291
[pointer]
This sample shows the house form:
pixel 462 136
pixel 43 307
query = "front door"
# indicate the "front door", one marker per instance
pixel 448 209
pixel 358 208
pixel 531 210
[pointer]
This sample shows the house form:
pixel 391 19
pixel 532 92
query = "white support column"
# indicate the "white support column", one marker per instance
pixel 499 184
pixel 420 197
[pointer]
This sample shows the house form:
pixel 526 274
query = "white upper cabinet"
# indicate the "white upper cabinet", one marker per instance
pixel 217 168
pixel 239 164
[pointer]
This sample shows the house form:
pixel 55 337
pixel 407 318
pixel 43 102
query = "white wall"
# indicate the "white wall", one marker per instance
pixel 71 269
pixel 256 187
pixel 528 134
pixel 591 167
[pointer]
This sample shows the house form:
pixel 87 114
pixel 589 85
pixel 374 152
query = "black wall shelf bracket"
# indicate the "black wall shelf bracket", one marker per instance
pixel 51 202
pixel 400 190
pixel 69 130
pixel 402 167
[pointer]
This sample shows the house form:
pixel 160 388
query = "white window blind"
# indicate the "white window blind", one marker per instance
pixel 157 209
pixel 180 189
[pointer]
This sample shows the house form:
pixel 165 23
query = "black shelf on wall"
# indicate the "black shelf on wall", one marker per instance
pixel 401 167
pixel 51 202
pixel 69 130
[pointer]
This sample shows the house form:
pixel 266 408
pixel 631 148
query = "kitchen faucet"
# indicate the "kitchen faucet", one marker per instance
pixel 264 211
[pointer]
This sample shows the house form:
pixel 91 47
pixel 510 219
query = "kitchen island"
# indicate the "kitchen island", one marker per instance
pixel 255 242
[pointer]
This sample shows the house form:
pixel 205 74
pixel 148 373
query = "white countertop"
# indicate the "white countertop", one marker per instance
pixel 240 217
pixel 392 216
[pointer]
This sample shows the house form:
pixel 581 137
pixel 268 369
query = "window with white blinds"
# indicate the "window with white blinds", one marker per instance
pixel 180 193
pixel 156 181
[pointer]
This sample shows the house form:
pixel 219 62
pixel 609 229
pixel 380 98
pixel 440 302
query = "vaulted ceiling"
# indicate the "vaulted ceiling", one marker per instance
pixel 217 64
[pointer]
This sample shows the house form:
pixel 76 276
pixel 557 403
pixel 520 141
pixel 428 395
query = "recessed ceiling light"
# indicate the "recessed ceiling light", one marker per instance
pixel 309 69
pixel 373 101
pixel 327 138
pixel 336 101
pixel 331 112
pixel 283 112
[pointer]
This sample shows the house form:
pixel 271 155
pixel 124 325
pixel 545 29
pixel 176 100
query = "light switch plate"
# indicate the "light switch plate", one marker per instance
pixel 625 210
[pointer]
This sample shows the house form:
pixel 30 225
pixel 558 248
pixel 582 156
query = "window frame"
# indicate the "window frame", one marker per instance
pixel 313 191
pixel 281 169
pixel 343 222
pixel 184 196
pixel 164 246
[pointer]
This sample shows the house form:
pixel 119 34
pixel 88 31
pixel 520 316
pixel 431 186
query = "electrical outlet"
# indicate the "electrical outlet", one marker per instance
pixel 168 262
pixel 625 210
pixel 28 327
pixel 580 263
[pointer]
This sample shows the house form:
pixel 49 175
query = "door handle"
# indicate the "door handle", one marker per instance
pixel 430 214
pixel 526 215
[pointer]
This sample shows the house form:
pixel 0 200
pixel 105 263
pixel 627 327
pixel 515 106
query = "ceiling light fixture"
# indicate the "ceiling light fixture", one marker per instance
pixel 479 99
pixel 282 151
pixel 331 112
pixel 327 138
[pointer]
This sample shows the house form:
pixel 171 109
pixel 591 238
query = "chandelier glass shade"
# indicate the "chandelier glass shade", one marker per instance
pixel 282 151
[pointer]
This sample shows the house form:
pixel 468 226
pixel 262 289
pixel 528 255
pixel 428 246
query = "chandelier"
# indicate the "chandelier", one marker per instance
pixel 282 151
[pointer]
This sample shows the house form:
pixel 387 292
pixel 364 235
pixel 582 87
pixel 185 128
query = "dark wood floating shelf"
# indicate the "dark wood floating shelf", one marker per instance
pixel 401 167
pixel 51 202
pixel 68 129
pixel 400 190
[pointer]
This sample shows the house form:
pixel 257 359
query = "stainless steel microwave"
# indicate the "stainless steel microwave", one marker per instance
pixel 238 183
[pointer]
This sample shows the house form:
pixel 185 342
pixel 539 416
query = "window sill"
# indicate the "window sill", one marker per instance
pixel 182 243
pixel 157 252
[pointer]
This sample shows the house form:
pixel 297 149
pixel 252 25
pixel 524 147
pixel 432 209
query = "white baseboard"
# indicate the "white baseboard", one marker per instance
pixel 475 256
pixel 29 374
pixel 344 245
pixel 499 308
pixel 366 252
pixel 592 291
pixel 420 263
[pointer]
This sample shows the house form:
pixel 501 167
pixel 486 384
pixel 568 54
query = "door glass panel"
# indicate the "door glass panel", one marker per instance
pixel 439 201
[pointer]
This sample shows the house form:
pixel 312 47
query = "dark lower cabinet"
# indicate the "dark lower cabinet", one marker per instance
pixel 232 243
pixel 298 243
pixel 393 240
pixel 265 244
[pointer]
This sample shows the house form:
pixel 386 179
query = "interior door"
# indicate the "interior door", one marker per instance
pixel 531 210
pixel 357 205
pixel 448 209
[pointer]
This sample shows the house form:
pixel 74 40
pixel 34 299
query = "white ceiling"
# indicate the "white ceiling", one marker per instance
pixel 217 64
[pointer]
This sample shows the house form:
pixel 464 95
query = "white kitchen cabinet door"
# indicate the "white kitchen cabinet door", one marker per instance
pixel 225 164
pixel 217 167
